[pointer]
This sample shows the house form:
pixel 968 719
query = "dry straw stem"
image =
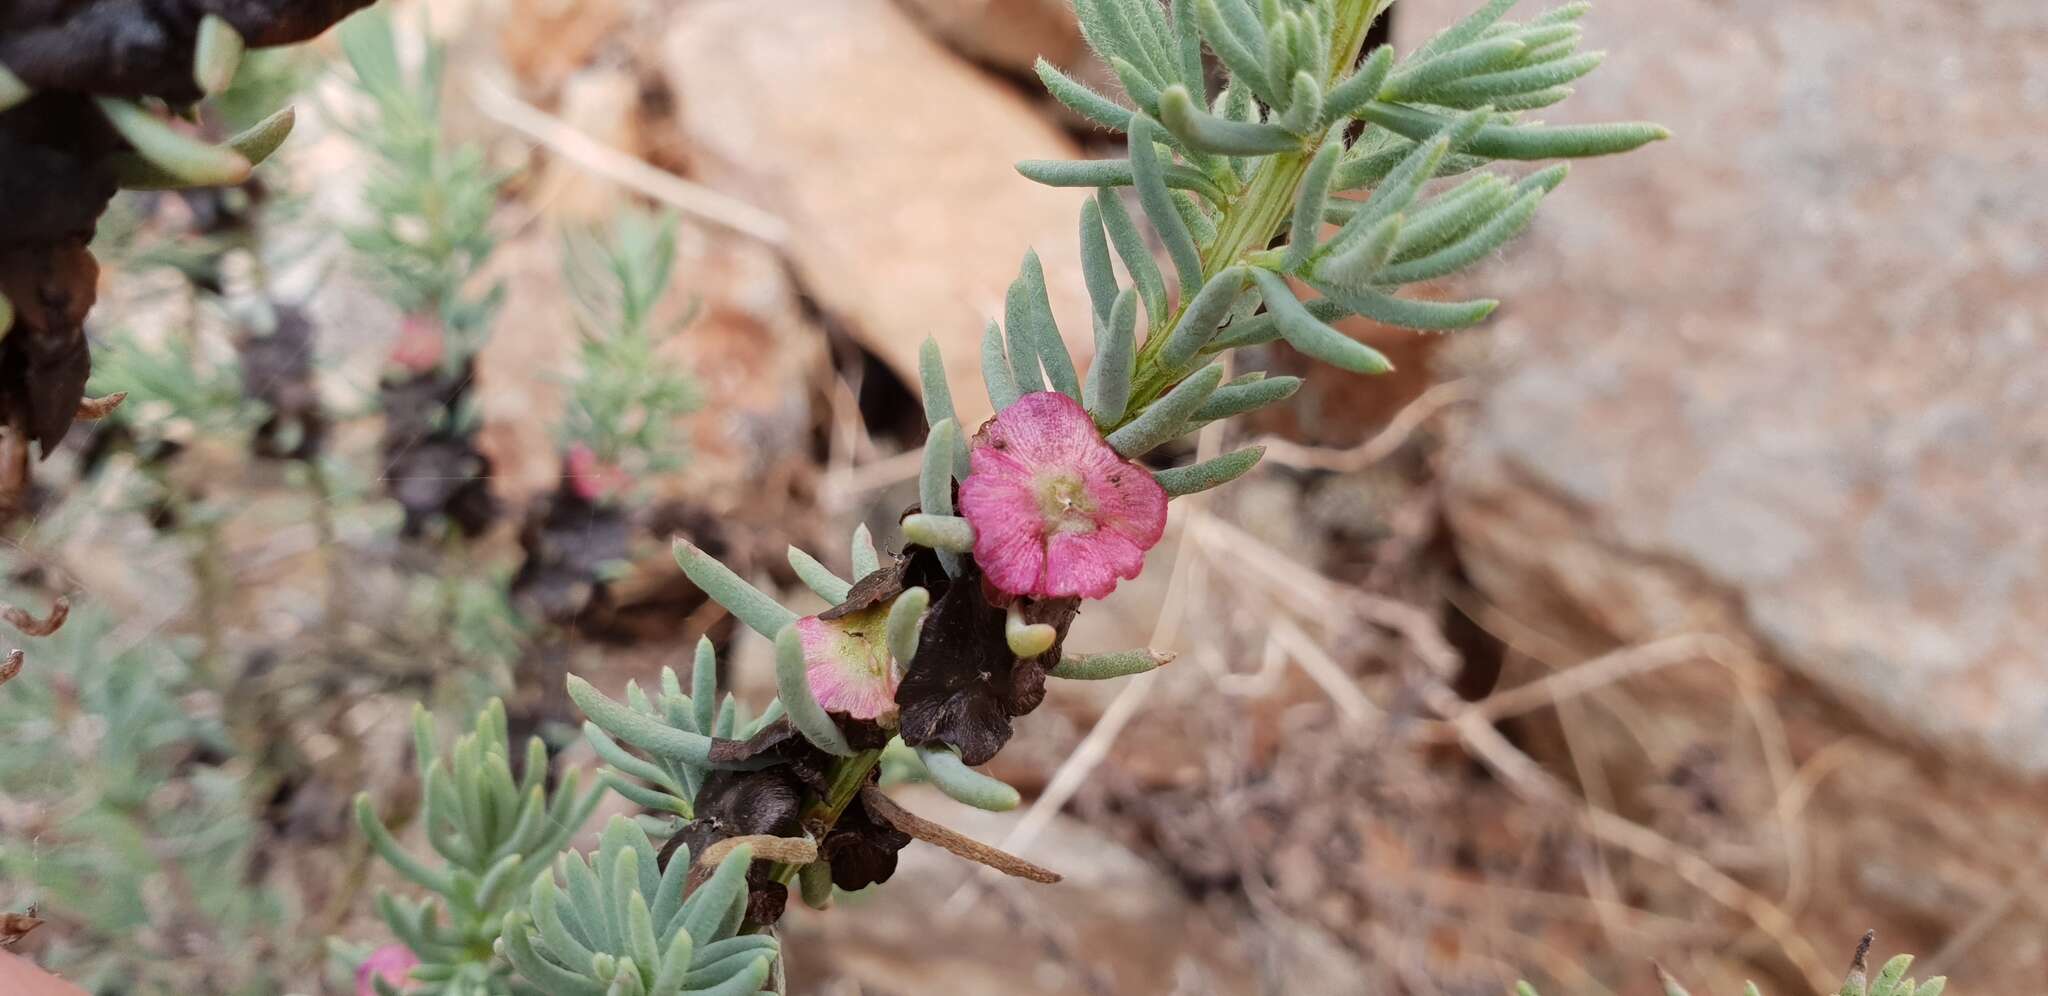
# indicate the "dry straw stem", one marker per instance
pixel 598 158
pixel 1383 444
pixel 94 409
pixel 1313 593
pixel 767 847
pixel 885 809
pixel 30 625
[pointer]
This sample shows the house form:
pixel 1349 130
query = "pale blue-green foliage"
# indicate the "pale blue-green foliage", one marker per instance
pixel 621 925
pixel 492 834
pixel 624 397
pixel 1450 107
pixel 173 391
pixel 671 728
pixel 101 756
pixel 429 204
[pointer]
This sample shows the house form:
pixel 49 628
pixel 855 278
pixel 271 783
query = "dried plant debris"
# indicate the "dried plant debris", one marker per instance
pixel 72 131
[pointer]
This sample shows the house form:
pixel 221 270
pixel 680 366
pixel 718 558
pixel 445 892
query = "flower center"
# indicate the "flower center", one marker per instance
pixel 1064 502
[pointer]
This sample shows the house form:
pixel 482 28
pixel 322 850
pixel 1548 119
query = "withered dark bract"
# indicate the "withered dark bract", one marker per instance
pixel 861 849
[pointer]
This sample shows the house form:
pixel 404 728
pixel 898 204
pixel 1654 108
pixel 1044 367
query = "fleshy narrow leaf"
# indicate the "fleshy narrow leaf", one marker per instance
pixel 1304 332
pixel 12 90
pixel 760 613
pixel 1027 639
pixel 1468 250
pixel 1426 315
pixel 995 369
pixel 1116 354
pixel 1207 474
pixel 1201 317
pixel 1204 131
pixel 866 559
pixel 1116 664
pixel 1364 84
pixel 1481 57
pixel 1522 141
pixel 1137 256
pixel 1029 310
pixel 1304 114
pixel 905 622
pixel 1083 101
pixel 817 577
pixel 177 157
pixel 638 728
pixel 1239 45
pixel 965 784
pixel 1487 88
pixel 1451 215
pixel 1238 398
pixel 1264 328
pixel 704 685
pixel 1114 173
pixel 1159 209
pixel 938 405
pixel 949 533
pixel 935 481
pixel 1096 269
pixel 216 54
pixel 1361 261
pixel 1465 30
pixel 793 687
pixel 1167 417
pixel 1309 202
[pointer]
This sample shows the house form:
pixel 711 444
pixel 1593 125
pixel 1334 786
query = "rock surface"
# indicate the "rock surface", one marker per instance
pixel 893 162
pixel 1788 367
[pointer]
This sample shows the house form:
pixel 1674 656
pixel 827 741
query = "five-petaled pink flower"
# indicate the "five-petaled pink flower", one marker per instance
pixel 392 963
pixel 847 662
pixel 1056 512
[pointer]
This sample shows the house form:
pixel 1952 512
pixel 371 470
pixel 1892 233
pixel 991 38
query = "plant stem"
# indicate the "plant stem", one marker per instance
pixel 847 777
pixel 1252 217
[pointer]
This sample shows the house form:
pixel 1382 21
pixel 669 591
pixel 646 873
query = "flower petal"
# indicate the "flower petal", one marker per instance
pixel 848 663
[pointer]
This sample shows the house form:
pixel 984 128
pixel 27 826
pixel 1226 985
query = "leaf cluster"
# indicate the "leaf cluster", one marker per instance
pixel 624 396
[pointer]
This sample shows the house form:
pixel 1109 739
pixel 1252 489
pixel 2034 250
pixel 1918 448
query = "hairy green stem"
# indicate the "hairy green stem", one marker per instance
pixel 1251 218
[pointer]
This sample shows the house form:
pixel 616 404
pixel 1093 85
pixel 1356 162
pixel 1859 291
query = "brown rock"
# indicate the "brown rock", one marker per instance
pixel 1006 34
pixel 892 161
pixel 1799 373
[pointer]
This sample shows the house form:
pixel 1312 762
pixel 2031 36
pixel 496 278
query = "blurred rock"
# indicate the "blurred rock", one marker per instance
pixel 545 41
pixel 891 159
pixel 1783 373
pixel 1009 35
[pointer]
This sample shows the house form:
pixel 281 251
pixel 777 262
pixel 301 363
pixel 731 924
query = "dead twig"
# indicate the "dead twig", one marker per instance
pixel 596 157
pixel 94 409
pixel 1383 444
pixel 15 926
pixel 11 666
pixel 885 809
pixel 29 625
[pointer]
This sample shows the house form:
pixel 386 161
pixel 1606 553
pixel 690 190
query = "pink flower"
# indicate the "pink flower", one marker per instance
pixel 593 479
pixel 1056 512
pixel 848 664
pixel 420 344
pixel 391 963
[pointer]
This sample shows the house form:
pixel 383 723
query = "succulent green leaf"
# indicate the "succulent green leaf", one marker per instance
pixel 938 406
pixel 1031 311
pixel 760 613
pixel 1491 88
pixel 1115 173
pixel 1363 260
pixel 1450 216
pixel 1304 114
pixel 905 622
pixel 1362 85
pixel 1210 473
pixel 1167 417
pixel 1117 664
pixel 176 157
pixel 964 784
pixel 1522 141
pixel 817 577
pixel 1027 639
pixel 1116 353
pixel 1470 249
pixel 1137 256
pixel 1465 31
pixel 1309 202
pixel 940 532
pixel 1234 34
pixel 1241 396
pixel 12 90
pixel 387 847
pixel 1096 269
pixel 638 728
pixel 866 559
pixel 995 369
pixel 1159 208
pixel 1389 310
pixel 793 687
pixel 1082 100
pixel 1478 58
pixel 1201 317
pixel 1304 332
pixel 1199 129
pixel 814 884
pixel 216 54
